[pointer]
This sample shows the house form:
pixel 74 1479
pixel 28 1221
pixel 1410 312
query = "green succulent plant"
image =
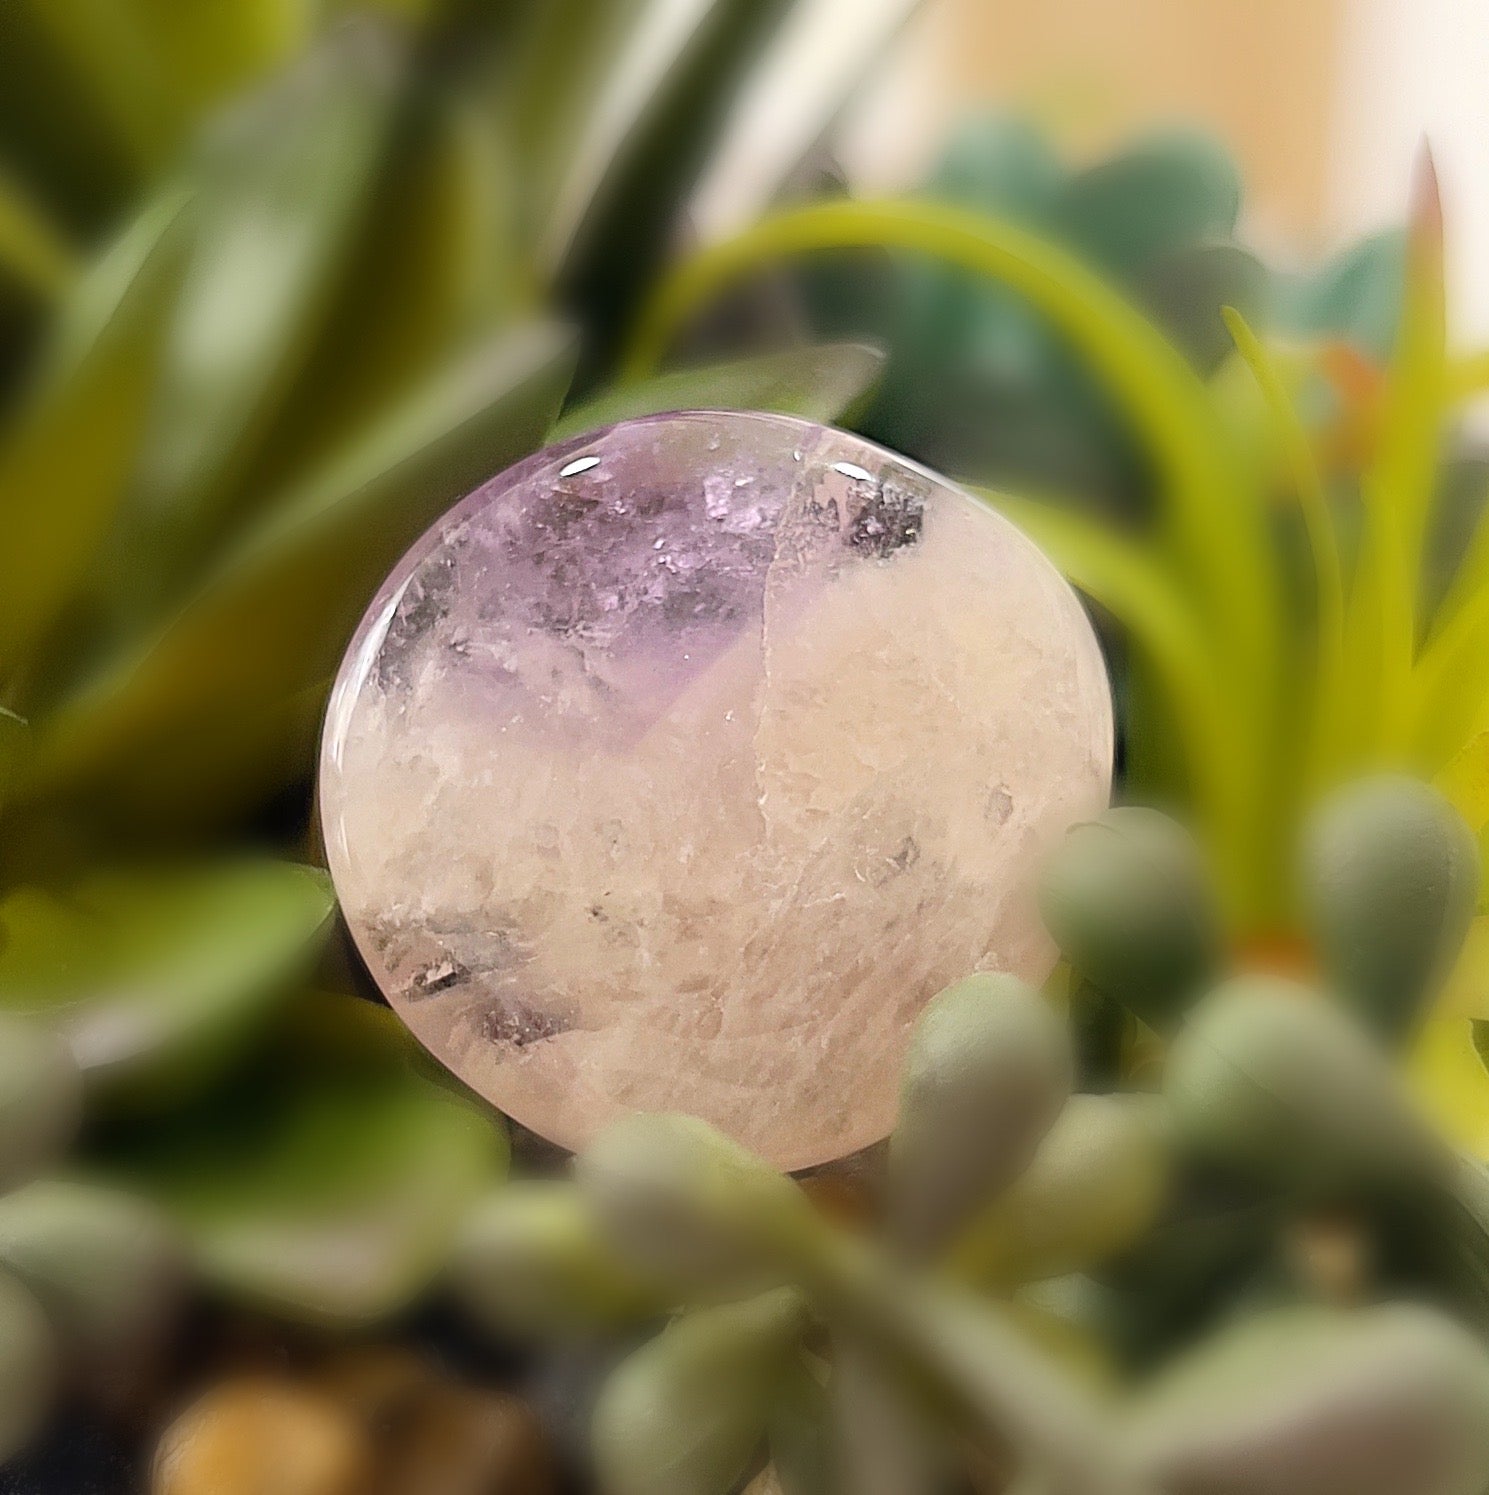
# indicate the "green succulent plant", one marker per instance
pixel 1013 1220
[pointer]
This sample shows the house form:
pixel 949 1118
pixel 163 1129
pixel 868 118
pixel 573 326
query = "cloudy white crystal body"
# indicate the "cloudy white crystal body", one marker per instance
pixel 676 768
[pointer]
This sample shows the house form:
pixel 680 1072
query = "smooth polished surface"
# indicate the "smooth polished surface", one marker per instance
pixel 676 768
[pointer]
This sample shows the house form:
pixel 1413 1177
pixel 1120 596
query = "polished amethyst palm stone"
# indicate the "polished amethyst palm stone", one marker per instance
pixel 675 769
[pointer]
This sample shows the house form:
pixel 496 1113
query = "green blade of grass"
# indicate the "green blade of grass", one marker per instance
pixel 1323 541
pixel 440 270
pixel 636 207
pixel 1399 486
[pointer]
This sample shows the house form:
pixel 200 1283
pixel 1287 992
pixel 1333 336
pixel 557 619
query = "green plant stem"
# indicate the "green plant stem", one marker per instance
pixel 1323 542
pixel 1399 488
pixel 1211 522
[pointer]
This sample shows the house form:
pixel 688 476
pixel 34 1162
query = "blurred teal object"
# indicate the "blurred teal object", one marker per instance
pixel 977 381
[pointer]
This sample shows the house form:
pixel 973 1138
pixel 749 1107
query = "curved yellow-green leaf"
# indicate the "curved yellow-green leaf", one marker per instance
pixel 1465 781
pixel 1317 519
pixel 1399 486
pixel 1217 529
pixel 1466 994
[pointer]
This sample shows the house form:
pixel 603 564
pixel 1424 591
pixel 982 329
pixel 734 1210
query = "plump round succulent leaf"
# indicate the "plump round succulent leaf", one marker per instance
pixel 1094 1188
pixel 158 980
pixel 1172 188
pixel 108 1268
pixel 989 1069
pixel 1312 1402
pixel 28 1367
pixel 41 1098
pixel 684 1205
pixel 529 1261
pixel 685 1414
pixel 328 1181
pixel 1272 1079
pixel 1128 898
pixel 1391 879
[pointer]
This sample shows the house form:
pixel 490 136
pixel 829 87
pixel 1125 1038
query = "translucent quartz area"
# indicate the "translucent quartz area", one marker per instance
pixel 677 767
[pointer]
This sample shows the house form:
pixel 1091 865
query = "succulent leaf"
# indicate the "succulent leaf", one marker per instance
pixel 1391 880
pixel 107 1267
pixel 1095 1187
pixel 1272 1079
pixel 41 1099
pixel 1128 899
pixel 685 1414
pixel 530 1262
pixel 29 1367
pixel 684 1205
pixel 989 1069
pixel 1370 1402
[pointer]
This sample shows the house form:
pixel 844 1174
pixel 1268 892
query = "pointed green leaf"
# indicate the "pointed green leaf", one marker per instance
pixel 435 275
pixel 282 185
pixel 276 616
pixel 65 462
pixel 328 1184
pixel 158 980
pixel 820 383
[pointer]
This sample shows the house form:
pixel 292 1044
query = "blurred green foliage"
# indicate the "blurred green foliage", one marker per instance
pixel 1019 1228
pixel 278 284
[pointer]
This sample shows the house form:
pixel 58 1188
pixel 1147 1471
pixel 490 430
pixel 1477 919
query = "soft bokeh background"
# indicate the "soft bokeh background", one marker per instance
pixel 1173 283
